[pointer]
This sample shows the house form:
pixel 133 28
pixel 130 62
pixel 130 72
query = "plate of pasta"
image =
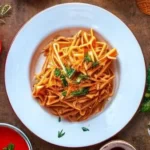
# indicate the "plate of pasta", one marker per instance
pixel 76 76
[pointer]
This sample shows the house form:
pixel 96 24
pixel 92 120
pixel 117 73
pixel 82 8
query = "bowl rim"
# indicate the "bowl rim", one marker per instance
pixel 76 3
pixel 21 133
pixel 118 142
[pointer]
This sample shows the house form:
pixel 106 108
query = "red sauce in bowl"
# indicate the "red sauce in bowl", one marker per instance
pixel 8 136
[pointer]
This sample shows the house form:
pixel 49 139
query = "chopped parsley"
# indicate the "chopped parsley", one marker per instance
pixel 85 129
pixel 87 58
pixel 59 119
pixel 145 107
pixel 70 72
pixel 64 93
pixel 80 92
pixel 57 72
pixel 64 81
pixel 9 147
pixel 95 64
pixel 61 134
pixel 81 77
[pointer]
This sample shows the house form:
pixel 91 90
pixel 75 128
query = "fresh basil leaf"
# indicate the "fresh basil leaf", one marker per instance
pixel 80 92
pixel 85 129
pixel 57 72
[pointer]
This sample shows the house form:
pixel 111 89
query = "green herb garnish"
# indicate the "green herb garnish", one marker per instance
pixel 147 95
pixel 64 93
pixel 61 134
pixel 9 147
pixel 148 76
pixel 95 64
pixel 148 89
pixel 4 9
pixel 145 107
pixel 87 58
pixel 59 119
pixel 81 77
pixel 57 72
pixel 80 92
pixel 64 81
pixel 70 72
pixel 85 129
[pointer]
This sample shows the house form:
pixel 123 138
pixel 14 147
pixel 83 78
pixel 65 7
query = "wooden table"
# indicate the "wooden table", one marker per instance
pixel 135 132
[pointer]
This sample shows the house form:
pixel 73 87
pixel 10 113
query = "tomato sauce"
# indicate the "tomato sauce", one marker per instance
pixel 8 136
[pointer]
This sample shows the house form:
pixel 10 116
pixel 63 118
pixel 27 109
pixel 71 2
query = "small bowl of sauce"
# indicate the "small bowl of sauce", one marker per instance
pixel 13 138
pixel 117 145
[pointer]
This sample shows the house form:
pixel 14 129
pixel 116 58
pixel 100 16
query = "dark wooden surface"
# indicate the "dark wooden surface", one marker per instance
pixel 136 131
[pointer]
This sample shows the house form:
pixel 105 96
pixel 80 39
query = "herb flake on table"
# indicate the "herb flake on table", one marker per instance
pixel 61 133
pixel 85 129
pixel 9 147
pixel 4 11
pixel 59 119
pixel 145 107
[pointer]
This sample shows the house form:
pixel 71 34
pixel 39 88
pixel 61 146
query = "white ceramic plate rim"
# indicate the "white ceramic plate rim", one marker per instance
pixel 91 137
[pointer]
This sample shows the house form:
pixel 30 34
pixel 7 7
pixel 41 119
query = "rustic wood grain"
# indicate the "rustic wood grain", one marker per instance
pixel 23 10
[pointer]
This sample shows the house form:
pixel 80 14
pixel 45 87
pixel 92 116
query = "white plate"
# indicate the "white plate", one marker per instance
pixel 23 56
